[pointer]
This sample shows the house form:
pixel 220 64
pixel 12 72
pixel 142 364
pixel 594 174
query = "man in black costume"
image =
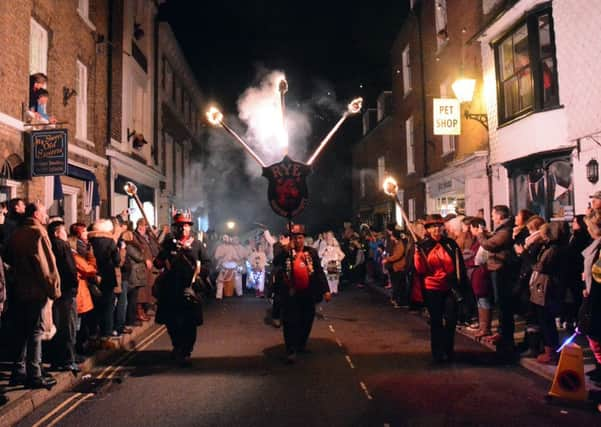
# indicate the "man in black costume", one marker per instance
pixel 300 284
pixel 177 290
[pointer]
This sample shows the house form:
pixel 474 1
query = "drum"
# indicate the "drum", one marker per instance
pixel 228 272
pixel 333 267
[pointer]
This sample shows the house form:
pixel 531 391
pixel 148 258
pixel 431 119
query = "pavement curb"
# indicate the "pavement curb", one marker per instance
pixel 14 411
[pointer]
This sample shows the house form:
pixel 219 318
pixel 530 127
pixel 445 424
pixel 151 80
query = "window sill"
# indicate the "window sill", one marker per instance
pixel 84 141
pixel 447 153
pixel 86 20
pixel 528 113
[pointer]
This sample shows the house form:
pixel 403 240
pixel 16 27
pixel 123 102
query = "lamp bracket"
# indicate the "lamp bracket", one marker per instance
pixel 482 118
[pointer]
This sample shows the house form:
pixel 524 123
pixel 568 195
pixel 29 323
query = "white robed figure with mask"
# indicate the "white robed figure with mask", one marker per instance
pixel 331 260
pixel 228 261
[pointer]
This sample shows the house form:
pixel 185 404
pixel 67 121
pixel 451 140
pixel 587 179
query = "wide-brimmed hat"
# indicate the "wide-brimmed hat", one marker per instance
pixel 595 195
pixel 297 229
pixel 433 221
pixel 182 218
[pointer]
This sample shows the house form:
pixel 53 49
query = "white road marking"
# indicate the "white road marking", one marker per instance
pixel 339 343
pixel 350 362
pixel 331 329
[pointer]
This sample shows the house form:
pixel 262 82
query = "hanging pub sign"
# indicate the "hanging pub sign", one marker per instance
pixel 47 152
pixel 447 116
pixel 287 191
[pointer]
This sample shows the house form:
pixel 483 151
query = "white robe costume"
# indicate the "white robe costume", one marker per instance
pixel 256 271
pixel 331 258
pixel 228 262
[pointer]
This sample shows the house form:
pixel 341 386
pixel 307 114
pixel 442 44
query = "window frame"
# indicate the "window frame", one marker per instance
pixel 440 16
pixel 410 144
pixel 406 69
pixel 41 60
pixel 81 110
pixel 381 170
pixel 411 209
pixel 535 61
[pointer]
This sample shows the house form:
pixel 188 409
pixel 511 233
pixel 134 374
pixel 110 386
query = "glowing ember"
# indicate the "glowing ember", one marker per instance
pixel 214 116
pixel 390 186
pixel 355 106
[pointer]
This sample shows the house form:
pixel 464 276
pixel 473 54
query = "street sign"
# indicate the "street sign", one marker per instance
pixel 447 116
pixel 48 152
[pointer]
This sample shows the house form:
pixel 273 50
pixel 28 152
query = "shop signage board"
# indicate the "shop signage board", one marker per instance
pixel 48 152
pixel 447 116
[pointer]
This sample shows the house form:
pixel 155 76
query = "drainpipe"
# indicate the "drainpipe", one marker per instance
pixel 155 118
pixel 155 129
pixel 109 100
pixel 419 9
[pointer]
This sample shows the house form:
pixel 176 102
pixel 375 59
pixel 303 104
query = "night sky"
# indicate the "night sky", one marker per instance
pixel 320 45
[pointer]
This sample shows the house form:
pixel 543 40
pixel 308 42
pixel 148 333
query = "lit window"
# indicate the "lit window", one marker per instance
pixel 38 48
pixel 410 145
pixel 411 209
pixel 440 13
pixel 406 71
pixel 527 70
pixel 81 113
pixel 381 170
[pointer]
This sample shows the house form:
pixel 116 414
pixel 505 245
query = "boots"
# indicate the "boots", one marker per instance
pixel 140 315
pixel 549 357
pixel 484 320
pixel 533 341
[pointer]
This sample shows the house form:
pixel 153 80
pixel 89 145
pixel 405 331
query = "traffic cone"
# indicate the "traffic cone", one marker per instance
pixel 568 382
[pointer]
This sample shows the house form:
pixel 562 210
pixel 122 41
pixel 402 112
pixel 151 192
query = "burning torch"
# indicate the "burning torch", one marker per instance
pixel 391 187
pixel 353 108
pixel 132 190
pixel 215 118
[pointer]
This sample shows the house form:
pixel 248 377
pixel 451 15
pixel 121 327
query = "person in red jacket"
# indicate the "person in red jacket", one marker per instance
pixel 439 261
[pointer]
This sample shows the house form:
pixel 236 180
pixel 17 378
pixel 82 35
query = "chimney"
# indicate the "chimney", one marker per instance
pixel 369 120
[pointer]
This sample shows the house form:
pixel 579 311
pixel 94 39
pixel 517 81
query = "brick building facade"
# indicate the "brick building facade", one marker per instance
pixel 58 39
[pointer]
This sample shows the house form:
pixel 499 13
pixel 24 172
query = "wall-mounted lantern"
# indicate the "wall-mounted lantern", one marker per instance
pixel 592 171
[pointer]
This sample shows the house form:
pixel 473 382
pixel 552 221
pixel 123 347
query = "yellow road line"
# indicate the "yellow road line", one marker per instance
pixel 365 390
pixel 55 410
pixel 146 345
pixel 348 359
pixel 70 409
pixel 126 355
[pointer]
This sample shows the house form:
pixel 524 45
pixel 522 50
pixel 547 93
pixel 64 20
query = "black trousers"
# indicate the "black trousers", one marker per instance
pixel 503 290
pixel 298 312
pixel 64 312
pixel 181 328
pixel 132 302
pixel 398 280
pixel 443 319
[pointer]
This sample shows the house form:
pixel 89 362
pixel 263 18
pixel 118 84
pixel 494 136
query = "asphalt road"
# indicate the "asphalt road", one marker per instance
pixel 369 366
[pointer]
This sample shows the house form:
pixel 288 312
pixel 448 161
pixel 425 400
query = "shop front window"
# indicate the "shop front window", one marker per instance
pixel 450 205
pixel 544 186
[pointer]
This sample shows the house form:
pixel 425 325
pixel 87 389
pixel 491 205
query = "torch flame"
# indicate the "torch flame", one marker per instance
pixel 390 186
pixel 214 116
pixel 355 105
pixel 130 188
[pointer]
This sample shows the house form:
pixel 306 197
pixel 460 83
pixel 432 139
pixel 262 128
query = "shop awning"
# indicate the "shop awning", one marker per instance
pixel 92 193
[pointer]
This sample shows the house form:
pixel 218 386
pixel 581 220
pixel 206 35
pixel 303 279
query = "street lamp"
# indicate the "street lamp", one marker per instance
pixel 464 92
pixel 230 225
